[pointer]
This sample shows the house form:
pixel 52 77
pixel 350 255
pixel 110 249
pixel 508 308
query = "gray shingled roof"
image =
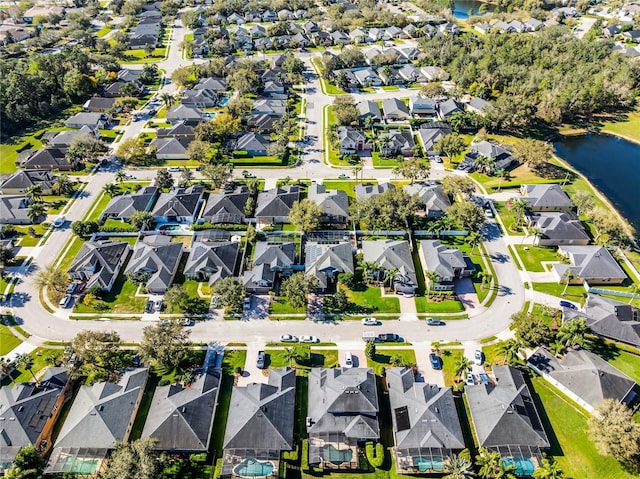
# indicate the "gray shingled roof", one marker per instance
pixel 277 202
pixel 100 414
pixel 179 202
pixel 261 415
pixel 369 108
pixel 13 209
pixel 559 226
pixel 123 206
pixel 585 374
pixel 545 196
pixel 158 257
pixel 440 259
pixel 321 258
pixel 590 261
pixel 609 318
pixel 23 179
pixel 343 401
pixel 390 254
pixel 181 419
pixel 226 206
pixel 503 413
pixel 98 262
pixel 433 196
pixel 430 412
pixel 364 191
pixel 213 261
pixel 332 202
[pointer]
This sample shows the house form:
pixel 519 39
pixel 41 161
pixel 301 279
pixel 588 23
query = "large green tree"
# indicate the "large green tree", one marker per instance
pixel 230 294
pixel 165 343
pixel 135 460
pixel 297 287
pixel 305 215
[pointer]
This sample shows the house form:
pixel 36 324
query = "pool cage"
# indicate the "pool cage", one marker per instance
pixel 334 451
pixel 250 463
pixel 423 460
pixel 525 458
pixel 83 461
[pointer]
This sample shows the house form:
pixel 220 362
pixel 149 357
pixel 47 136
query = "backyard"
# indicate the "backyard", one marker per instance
pixel 532 256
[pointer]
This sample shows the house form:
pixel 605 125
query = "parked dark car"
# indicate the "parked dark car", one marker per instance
pixel 389 338
pixel 260 363
pixel 149 306
pixel 568 304
pixel 435 361
pixel 435 322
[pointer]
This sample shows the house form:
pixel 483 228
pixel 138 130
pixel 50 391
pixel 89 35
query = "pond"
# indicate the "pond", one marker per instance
pixel 461 7
pixel 612 165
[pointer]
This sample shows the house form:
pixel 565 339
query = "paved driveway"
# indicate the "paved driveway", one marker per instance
pixel 425 372
pixel 467 295
pixel 251 373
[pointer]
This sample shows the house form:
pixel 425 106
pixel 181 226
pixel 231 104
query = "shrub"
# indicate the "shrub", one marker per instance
pixel 375 456
pixel 164 382
pixel 209 226
pixel 124 228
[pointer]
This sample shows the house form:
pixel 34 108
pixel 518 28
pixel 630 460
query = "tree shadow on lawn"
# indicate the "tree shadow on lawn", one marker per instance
pixel 599 346
pixel 556 448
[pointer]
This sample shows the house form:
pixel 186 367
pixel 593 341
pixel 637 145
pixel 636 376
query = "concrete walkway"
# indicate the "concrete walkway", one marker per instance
pixel 408 311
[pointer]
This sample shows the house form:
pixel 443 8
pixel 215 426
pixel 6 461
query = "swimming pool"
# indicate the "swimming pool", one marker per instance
pixel 433 464
pixel 336 456
pixel 224 101
pixel 169 227
pixel 251 467
pixel 524 465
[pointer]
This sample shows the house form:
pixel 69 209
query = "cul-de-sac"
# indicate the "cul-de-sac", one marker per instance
pixel 341 239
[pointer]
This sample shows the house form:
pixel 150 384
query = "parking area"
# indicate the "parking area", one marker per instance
pixel 251 373
pixel 256 307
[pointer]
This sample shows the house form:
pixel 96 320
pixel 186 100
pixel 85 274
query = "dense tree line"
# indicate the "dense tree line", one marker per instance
pixel 550 75
pixel 42 85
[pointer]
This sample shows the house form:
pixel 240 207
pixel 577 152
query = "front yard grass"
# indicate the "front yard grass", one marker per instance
pixel 372 299
pixel 449 359
pixel 574 292
pixel 40 361
pixel 281 306
pixel 26 239
pixel 121 299
pixel 629 128
pixel 570 443
pixel 508 218
pixel 70 255
pixel 317 358
pixel 348 186
pixel 7 340
pixel 385 358
pixel 382 162
pixel 532 256
pixel 445 306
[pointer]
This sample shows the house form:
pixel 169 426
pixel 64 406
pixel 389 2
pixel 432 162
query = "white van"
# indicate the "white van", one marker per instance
pixel 348 360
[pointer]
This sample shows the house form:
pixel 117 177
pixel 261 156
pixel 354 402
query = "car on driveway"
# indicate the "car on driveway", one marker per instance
pixel 368 321
pixel 288 338
pixel 66 301
pixel 567 304
pixel 389 338
pixel 309 339
pixel 260 363
pixel 149 307
pixel 435 322
pixel 477 357
pixel 72 288
pixel 470 381
pixel 348 360
pixel 247 174
pixel 435 361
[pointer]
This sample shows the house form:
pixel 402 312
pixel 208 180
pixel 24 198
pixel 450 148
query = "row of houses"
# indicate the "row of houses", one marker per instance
pixel 514 26
pixel 147 31
pixel 342 415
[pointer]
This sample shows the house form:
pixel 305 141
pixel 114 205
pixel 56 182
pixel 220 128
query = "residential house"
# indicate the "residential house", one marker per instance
pixel 411 74
pixel 555 229
pixel 273 206
pixel 180 419
pixel 501 157
pixel 180 205
pixel 63 139
pixel 533 25
pixel 395 110
pixel 260 423
pixel 226 206
pixel 367 77
pixel 270 260
pixel 583 376
pixel 364 191
pixel 179 130
pixel 430 136
pixel 28 412
pixel 426 426
pixel 433 73
pixel 631 35
pixel 100 417
pixel 433 197
pixel 142 40
pixel 392 256
pixel 45 159
pixel 98 263
pixel 114 89
pixel 447 108
pixel 333 203
pixel 593 264
pixel 396 142
pixel 369 109
pixel 339 38
pixel 351 141
pixel 546 198
pixel 274 86
pixel 212 261
pixel 269 107
pixel 411 31
pixel 20 181
pixel 479 106
pixel 129 76
pixel 92 120
pixel 42 11
pixel 326 261
pixel 97 104
pixel 505 419
pixel 219 85
pixel 422 107
pixel 14 34
pixel 447 264
pixel 121 207
pixel 608 318
pixel 201 98
pixel 262 123
pixel 13 210
pixel 154 262
pixel 186 114
pixel 342 415
pixel 171 148
pixel 449 28
pixel 358 35
pixel 255 144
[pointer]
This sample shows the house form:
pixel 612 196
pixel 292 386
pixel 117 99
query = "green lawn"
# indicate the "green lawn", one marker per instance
pixel 139 56
pixel 7 340
pixel 390 87
pixel 348 186
pixel 26 239
pixel 121 299
pixel 575 453
pixel 281 306
pixel 382 162
pixel 445 306
pixel 384 358
pixel 629 128
pixel 508 218
pixel 39 356
pixel 449 358
pixel 317 358
pixel 625 361
pixel 574 292
pixel 76 244
pixel 533 255
pixel 518 176
pixel 372 298
pixel 103 31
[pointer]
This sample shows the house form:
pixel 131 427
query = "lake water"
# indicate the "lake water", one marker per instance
pixel 462 7
pixel 612 165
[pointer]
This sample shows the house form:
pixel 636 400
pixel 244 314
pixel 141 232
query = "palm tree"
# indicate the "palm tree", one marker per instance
pixel 111 189
pixel 186 377
pixel 510 350
pixel 289 355
pixel 519 208
pixel 167 99
pixel 432 278
pixel 635 290
pixel 485 277
pixel 473 239
pixel 356 169
pixel 568 276
pixel 35 212
pixel 34 192
pixel 52 277
pixel 63 185
pixel 24 361
pixel 549 469
pixel 459 467
pixel 572 332
pixel 390 274
pixel 500 174
pixel 462 365
pixel 492 466
pixel 536 233
pixel 369 122
pixel 120 176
